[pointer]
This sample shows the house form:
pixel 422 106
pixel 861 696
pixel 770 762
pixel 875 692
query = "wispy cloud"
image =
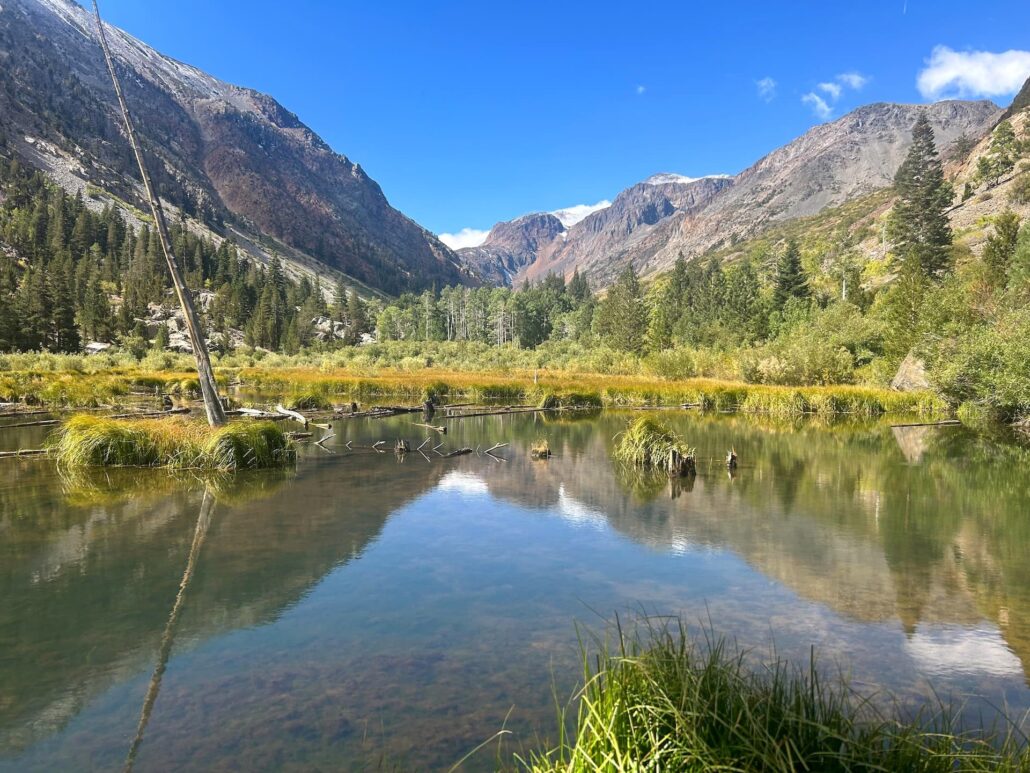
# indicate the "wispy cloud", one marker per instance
pixel 466 237
pixel 853 80
pixel 818 105
pixel 833 89
pixel 766 89
pixel 950 73
pixel 641 89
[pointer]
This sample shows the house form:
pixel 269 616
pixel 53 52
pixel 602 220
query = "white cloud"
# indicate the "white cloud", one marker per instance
pixel 951 73
pixel 853 80
pixel 641 89
pixel 766 89
pixel 818 105
pixel 466 237
pixel 569 216
pixel 833 89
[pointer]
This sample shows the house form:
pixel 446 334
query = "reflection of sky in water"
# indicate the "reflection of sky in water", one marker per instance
pixel 414 604
pixel 949 649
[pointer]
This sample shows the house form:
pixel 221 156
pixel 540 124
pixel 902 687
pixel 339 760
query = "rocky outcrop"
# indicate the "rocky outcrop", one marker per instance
pixel 911 375
pixel 652 223
pixel 217 151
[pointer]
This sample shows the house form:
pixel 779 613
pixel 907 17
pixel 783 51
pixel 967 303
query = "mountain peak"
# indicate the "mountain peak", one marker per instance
pixel 670 178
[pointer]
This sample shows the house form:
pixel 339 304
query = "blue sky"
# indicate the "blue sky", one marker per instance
pixel 473 112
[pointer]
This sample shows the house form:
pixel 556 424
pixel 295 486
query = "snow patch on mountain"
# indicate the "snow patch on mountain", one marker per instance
pixel 668 178
pixel 569 216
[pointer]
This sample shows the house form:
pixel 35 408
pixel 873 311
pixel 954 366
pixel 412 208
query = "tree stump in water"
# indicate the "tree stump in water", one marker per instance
pixel 402 447
pixel 731 460
pixel 681 466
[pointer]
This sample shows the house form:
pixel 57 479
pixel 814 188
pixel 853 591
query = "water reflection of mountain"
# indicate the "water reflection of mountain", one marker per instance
pixel 929 531
pixel 87 579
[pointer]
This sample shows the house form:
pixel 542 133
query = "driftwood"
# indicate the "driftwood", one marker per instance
pixel 945 423
pixel 254 413
pixel 459 452
pixel 378 412
pixel 498 413
pixel 23 452
pixel 299 435
pixel 292 414
pixel 136 415
pixel 441 429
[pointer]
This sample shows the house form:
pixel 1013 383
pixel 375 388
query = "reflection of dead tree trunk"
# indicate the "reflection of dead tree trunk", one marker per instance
pixel 203 521
pixel 208 388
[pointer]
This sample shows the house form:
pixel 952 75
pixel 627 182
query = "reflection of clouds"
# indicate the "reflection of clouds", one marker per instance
pixel 571 509
pixel 954 649
pixel 463 482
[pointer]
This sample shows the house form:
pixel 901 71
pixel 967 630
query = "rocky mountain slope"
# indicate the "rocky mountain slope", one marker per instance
pixel 652 223
pixel 230 158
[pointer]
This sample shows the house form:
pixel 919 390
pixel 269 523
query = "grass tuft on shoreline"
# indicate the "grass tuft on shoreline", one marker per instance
pixel 96 441
pixel 663 702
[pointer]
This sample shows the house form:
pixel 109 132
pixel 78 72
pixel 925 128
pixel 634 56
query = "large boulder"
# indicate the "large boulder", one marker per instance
pixel 911 375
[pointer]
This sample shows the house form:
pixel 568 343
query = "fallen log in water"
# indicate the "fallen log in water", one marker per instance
pixel 499 413
pixel 23 453
pixel 136 415
pixel 945 423
pixel 254 413
pixel 441 429
pixel 378 412
pixel 459 452
pixel 299 417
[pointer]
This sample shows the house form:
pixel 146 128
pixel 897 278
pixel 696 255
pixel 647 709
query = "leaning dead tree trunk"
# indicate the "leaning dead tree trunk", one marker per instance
pixel 208 388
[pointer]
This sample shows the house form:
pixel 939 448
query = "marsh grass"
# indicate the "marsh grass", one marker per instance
pixel 309 400
pixel 179 443
pixel 661 700
pixel 648 443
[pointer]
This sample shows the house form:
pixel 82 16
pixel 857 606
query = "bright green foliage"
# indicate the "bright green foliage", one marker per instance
pixel 1001 158
pixel 661 701
pixel 621 319
pixel 1001 245
pixel 92 441
pixel 649 443
pixel 791 281
pixel 919 223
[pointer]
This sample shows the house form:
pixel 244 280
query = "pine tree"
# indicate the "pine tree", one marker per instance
pixel 356 316
pixel 1001 245
pixel 1019 266
pixel 66 334
pixel 791 281
pixel 161 338
pixel 919 223
pixel 1000 157
pixel 578 288
pixel 621 319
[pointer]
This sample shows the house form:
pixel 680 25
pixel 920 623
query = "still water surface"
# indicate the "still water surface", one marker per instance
pixel 363 611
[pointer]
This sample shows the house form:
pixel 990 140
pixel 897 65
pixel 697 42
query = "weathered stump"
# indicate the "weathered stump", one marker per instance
pixel 402 447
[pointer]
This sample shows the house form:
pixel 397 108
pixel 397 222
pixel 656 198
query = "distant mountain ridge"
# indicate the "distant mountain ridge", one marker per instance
pixel 651 223
pixel 217 151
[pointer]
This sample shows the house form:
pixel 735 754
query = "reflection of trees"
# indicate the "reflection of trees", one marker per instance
pixel 89 571
pixel 836 512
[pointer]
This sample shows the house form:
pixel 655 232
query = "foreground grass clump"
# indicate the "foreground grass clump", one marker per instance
pixel 663 703
pixel 648 443
pixel 95 441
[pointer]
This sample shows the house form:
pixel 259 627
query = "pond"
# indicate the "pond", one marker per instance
pixel 365 611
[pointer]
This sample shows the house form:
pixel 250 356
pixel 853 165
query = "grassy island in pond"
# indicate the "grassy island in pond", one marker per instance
pixel 93 441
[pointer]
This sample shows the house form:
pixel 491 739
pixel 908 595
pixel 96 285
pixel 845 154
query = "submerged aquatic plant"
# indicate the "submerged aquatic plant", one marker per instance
pixel 650 444
pixel 663 701
pixel 97 441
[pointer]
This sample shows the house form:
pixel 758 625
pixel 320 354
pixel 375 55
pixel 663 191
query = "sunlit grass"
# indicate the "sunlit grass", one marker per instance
pixel 661 701
pixel 650 444
pixel 95 441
